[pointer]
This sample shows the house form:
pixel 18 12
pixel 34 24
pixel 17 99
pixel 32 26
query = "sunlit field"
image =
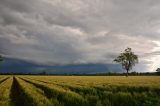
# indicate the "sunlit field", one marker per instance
pixel 79 91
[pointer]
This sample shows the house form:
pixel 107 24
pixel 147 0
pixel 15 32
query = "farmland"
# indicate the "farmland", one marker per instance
pixel 79 91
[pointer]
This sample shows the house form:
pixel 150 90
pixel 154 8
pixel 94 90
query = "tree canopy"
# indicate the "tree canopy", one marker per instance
pixel 158 70
pixel 127 59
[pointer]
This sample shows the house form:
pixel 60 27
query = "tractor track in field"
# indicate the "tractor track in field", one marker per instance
pixel 51 93
pixel 17 96
pixel 43 81
pixel 45 89
pixel 53 83
pixel 3 80
pixel 67 87
pixel 97 89
pixel 30 91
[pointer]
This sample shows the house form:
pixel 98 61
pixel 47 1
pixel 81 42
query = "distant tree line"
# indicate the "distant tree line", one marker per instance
pixel 97 74
pixel 128 59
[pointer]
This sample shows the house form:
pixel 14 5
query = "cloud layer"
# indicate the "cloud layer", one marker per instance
pixel 80 31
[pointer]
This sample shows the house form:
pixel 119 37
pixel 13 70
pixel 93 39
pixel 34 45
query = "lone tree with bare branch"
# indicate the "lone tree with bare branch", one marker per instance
pixel 128 59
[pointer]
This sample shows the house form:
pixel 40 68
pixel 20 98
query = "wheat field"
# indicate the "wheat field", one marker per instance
pixel 79 91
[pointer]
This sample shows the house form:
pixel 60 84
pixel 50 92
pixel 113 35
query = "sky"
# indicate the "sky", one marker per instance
pixel 51 32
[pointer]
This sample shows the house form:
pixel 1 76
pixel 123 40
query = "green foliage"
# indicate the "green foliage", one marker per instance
pixel 128 59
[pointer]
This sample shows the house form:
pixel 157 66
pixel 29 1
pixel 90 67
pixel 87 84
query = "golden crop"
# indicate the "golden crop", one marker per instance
pixel 79 91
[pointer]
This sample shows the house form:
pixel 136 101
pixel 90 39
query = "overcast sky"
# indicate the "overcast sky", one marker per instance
pixel 80 31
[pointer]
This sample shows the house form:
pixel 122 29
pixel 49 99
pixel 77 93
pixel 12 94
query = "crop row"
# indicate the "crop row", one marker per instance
pixel 102 96
pixel 148 81
pixel 5 87
pixel 31 91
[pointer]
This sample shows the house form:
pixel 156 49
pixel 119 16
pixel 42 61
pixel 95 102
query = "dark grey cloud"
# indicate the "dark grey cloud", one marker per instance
pixel 79 31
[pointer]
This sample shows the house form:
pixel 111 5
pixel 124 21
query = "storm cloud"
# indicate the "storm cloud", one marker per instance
pixel 80 31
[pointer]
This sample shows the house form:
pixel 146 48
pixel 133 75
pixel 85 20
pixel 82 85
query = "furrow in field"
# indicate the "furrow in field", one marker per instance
pixel 71 88
pixel 4 79
pixel 18 97
pixel 100 89
pixel 5 87
pixel 74 88
pixel 94 89
pixel 53 82
pixel 113 94
pixel 47 82
pixel 65 97
pixel 84 91
pixel 25 94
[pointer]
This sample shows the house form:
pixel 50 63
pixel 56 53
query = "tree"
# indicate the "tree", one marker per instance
pixel 128 59
pixel 158 71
